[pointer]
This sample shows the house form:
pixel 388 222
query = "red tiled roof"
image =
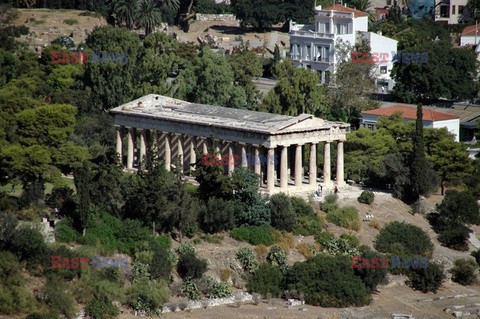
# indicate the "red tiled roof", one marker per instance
pixel 411 113
pixel 470 30
pixel 338 7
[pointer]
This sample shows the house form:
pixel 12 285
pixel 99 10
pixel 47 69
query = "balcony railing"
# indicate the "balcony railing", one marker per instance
pixel 298 57
pixel 315 35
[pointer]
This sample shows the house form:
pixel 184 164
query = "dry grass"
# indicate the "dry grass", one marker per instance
pixel 308 250
pixel 375 224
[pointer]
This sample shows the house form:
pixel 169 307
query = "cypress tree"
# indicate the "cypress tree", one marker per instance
pixel 423 178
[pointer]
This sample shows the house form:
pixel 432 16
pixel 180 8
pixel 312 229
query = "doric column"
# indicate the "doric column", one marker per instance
pixel 340 176
pixel 298 165
pixel 204 146
pixel 131 145
pixel 327 175
pixel 193 155
pixel 217 150
pixel 243 155
pixel 231 163
pixel 258 166
pixel 119 143
pixel 284 167
pixel 313 164
pixel 270 169
pixel 168 152
pixel 180 152
pixel 143 144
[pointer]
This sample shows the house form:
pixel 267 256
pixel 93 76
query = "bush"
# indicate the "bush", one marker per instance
pixel 308 225
pixel 255 235
pixel 346 217
pixel 277 256
pixel 427 279
pixel 217 216
pixel 185 248
pixel 464 271
pixel 59 299
pixel 402 239
pixel 190 289
pixel 372 277
pixel 476 255
pixel 351 239
pixel 455 237
pixel 28 244
pixel 282 212
pixel 70 21
pixel 301 207
pixel 147 295
pixel 213 288
pixel 339 246
pixel 328 282
pixel 161 265
pixel 100 306
pixel 189 265
pixel 323 238
pixel 14 297
pixel 64 231
pixel 366 197
pixel 248 259
pixel 163 242
pixel 329 203
pixel 267 280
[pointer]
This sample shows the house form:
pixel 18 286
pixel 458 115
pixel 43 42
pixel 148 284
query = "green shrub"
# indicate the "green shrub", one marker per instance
pixel 308 225
pixel 217 216
pixel 402 239
pixel 140 271
pixel 213 288
pixel 64 231
pixel 301 207
pixel 185 248
pixel 189 265
pixel 339 246
pixel 366 197
pixel 100 306
pixel 427 279
pixel 282 212
pixel 70 21
pixel 161 265
pixel 323 238
pixel 248 259
pixel 42 316
pixel 328 281
pixel 28 244
pixel 212 239
pixel 476 255
pixel 255 235
pixel 190 290
pixel 147 295
pixel 464 271
pixel 351 239
pixel 346 217
pixel 455 237
pixel 277 256
pixel 59 299
pixel 329 203
pixel 14 297
pixel 163 242
pixel 267 280
pixel 372 277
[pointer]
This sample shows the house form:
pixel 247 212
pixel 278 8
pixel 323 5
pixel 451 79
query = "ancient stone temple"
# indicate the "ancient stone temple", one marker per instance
pixel 181 132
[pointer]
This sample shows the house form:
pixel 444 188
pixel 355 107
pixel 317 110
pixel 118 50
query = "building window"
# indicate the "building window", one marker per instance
pixel 327 77
pixel 309 53
pixel 460 9
pixel 444 11
pixel 327 54
pixel 453 10
pixel 327 27
pixel 383 70
pixel 338 28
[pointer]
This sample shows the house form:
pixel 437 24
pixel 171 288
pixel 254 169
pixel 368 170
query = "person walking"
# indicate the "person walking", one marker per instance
pixel 335 189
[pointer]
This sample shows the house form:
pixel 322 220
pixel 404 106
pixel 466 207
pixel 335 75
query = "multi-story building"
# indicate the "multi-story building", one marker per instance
pixel 314 46
pixel 449 11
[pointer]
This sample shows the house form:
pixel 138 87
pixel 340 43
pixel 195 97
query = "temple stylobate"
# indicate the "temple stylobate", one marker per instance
pixel 181 130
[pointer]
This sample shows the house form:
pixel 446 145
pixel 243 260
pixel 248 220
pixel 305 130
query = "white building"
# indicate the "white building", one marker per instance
pixel 431 119
pixel 449 11
pixel 470 35
pixel 313 46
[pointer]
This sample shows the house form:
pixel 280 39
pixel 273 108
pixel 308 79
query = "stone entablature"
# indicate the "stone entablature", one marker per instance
pixel 181 130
